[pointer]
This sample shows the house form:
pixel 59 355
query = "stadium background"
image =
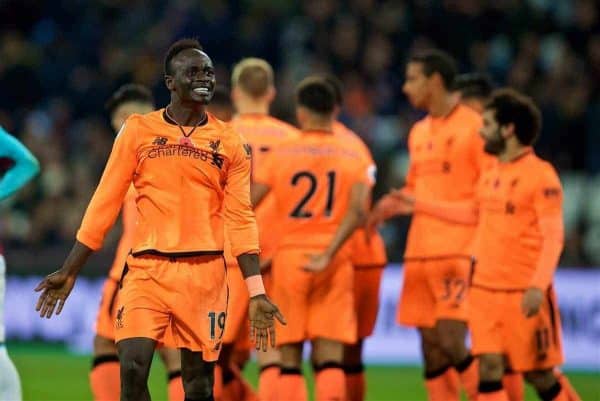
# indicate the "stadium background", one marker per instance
pixel 60 60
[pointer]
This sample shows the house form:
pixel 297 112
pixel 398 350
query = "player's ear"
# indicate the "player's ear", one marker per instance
pixel 169 82
pixel 508 130
pixel 271 93
pixel 235 94
pixel 300 115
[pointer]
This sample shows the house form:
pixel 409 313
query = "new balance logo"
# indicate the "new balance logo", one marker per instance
pixel 160 141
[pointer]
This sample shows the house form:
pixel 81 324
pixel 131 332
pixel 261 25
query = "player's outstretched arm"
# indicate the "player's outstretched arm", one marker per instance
pixel 262 312
pixel 57 286
pixel 355 217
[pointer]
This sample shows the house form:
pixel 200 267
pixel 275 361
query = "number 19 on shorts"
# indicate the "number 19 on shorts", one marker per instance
pixel 214 321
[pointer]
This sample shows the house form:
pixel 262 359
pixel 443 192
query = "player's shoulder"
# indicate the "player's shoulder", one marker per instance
pixel 287 129
pixel 465 114
pixel 545 172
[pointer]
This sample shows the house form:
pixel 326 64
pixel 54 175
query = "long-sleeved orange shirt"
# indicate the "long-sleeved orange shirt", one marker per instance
pixel 187 195
pixel 311 178
pixel 520 231
pixel 129 221
pixel 446 157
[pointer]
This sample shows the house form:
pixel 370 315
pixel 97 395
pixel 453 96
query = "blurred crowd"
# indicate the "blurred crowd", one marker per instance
pixel 60 60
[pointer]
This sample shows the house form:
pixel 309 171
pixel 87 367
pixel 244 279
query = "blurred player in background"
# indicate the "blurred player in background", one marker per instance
pixel 253 91
pixel 446 159
pixel 518 212
pixel 368 258
pixel 320 183
pixel 221 105
pixel 191 173
pixel 17 167
pixel 104 377
pixel 473 90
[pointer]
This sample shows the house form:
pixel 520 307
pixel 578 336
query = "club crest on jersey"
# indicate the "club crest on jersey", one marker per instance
pixel 119 319
pixel 217 159
pixel 214 145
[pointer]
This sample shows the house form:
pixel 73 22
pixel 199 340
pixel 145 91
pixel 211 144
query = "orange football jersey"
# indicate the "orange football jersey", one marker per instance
pixel 188 191
pixel 513 198
pixel 446 158
pixel 311 178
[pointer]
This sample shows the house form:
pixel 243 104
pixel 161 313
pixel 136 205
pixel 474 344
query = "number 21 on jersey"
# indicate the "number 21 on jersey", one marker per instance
pixel 300 211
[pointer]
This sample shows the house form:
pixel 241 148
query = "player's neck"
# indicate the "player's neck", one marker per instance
pixel 251 107
pixel 317 126
pixel 186 114
pixel 442 103
pixel 513 152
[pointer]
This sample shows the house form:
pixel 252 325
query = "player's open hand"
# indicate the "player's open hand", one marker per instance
pixel 317 263
pixel 55 289
pixel 393 204
pixel 532 301
pixel 262 313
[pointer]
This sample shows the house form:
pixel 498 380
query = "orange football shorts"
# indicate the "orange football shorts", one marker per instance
pixel 179 302
pixel 498 326
pixel 434 289
pixel 316 305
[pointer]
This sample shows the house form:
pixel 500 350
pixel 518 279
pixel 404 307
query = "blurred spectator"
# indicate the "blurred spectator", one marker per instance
pixel 60 60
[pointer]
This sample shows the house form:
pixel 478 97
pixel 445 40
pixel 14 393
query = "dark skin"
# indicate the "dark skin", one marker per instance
pixel 191 69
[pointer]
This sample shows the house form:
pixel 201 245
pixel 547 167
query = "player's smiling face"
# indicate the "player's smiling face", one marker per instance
pixel 193 76
pixel 416 86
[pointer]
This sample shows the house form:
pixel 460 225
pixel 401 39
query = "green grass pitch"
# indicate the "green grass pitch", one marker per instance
pixel 49 372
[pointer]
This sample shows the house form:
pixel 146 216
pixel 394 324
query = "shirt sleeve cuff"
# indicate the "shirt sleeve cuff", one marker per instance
pixel 87 240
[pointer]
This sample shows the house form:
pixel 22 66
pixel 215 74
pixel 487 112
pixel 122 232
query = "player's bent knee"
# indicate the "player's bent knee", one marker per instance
pixel 198 388
pixel 171 359
pixel 491 367
pixel 104 346
pixel 540 378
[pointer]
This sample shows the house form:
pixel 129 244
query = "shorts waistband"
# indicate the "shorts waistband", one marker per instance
pixel 177 255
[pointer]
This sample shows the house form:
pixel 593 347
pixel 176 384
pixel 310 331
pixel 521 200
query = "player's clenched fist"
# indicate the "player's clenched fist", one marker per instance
pixel 55 289
pixel 262 323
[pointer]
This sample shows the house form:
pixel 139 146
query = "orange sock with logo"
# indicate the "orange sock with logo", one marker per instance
pixel 105 378
pixel 267 382
pixel 468 370
pixel 442 385
pixel 330 383
pixel 491 391
pixel 566 386
pixel 514 386
pixel 291 386
pixel 355 382
pixel 175 386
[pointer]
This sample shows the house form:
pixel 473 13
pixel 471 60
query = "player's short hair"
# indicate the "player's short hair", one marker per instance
pixel 178 47
pixel 129 93
pixel 337 86
pixel 253 75
pixel 474 85
pixel 437 61
pixel 316 94
pixel 513 107
pixel 221 97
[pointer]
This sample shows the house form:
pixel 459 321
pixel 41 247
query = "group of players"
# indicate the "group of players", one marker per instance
pixel 485 238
